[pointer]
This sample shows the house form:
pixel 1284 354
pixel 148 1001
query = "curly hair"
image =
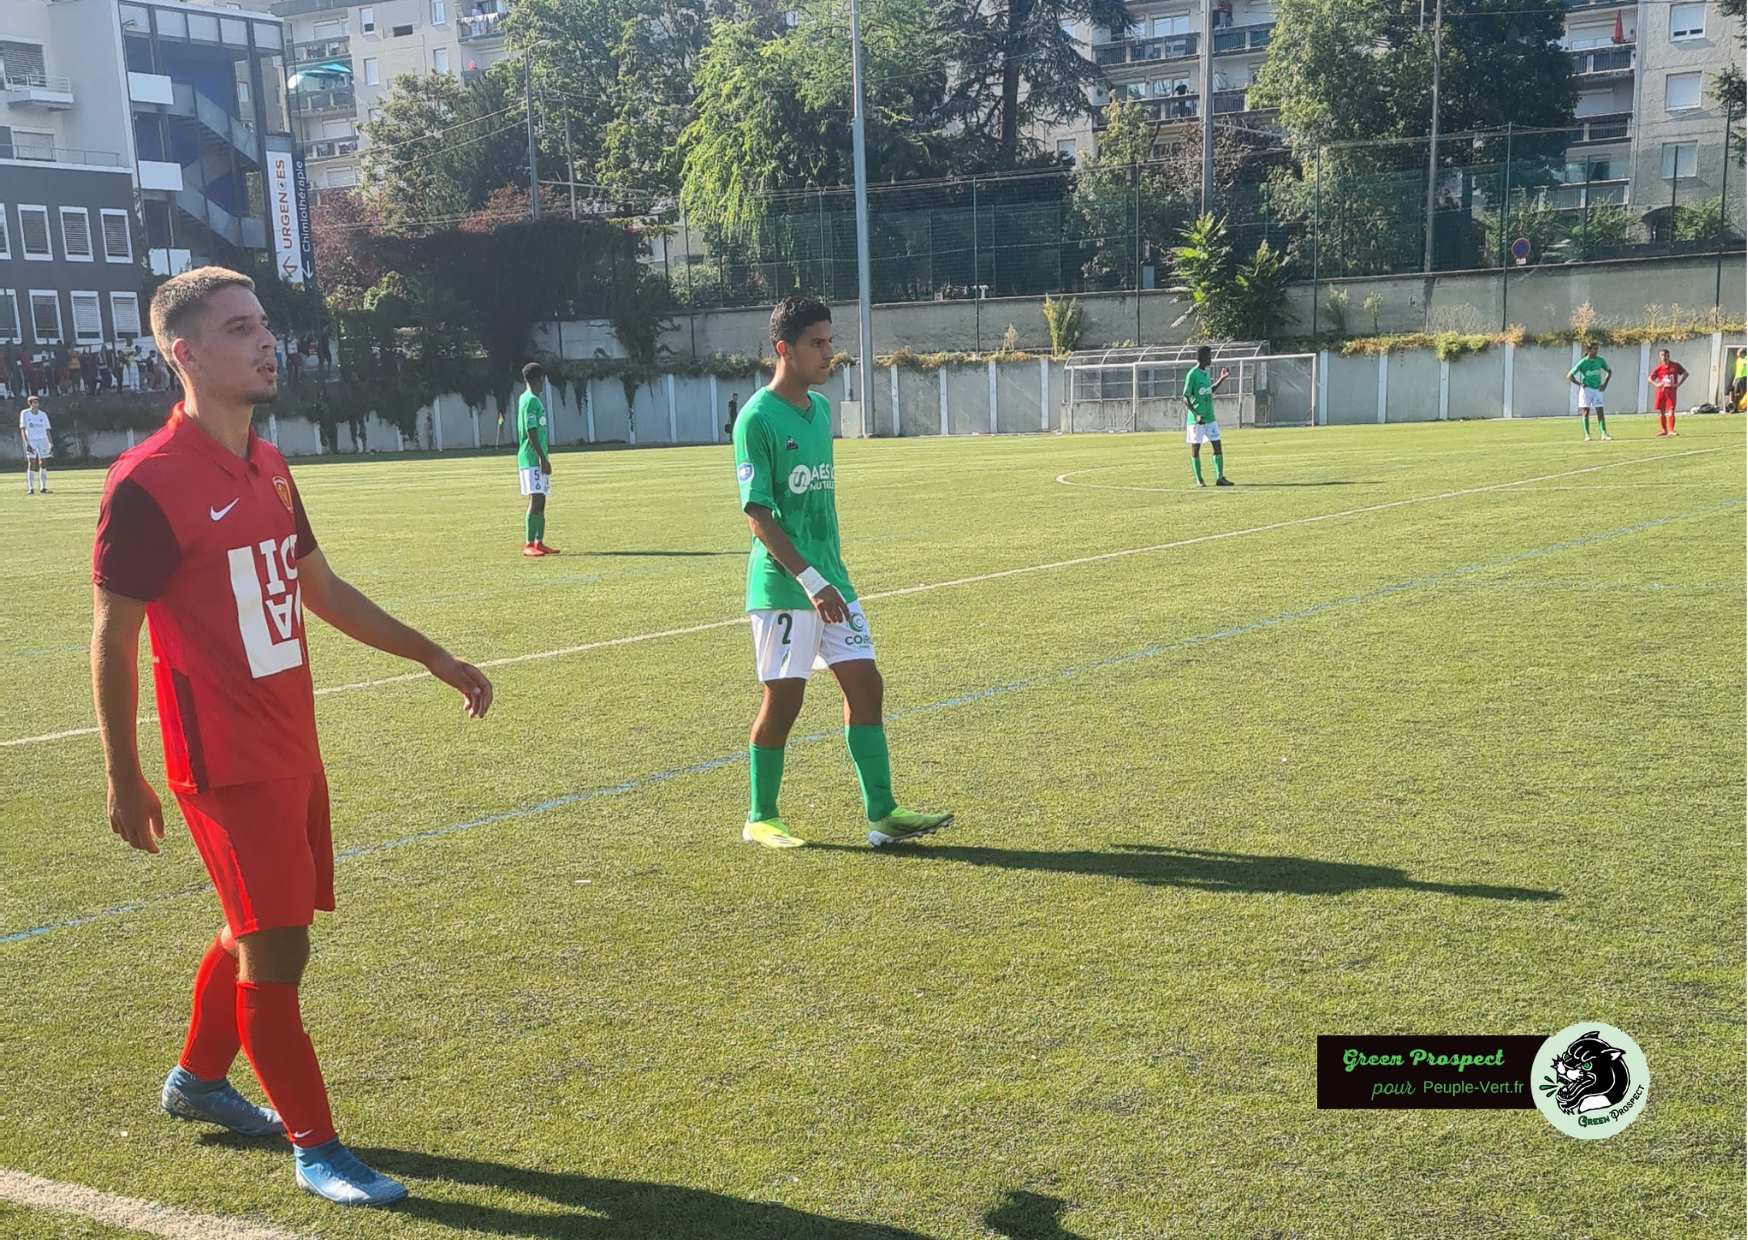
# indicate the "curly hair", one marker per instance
pixel 795 315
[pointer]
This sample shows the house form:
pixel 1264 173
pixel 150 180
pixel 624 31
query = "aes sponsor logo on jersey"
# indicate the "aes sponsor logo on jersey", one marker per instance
pixel 802 479
pixel 1593 1080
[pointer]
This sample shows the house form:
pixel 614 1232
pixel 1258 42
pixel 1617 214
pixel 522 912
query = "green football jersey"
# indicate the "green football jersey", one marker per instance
pixel 1589 371
pixel 783 460
pixel 1199 391
pixel 530 412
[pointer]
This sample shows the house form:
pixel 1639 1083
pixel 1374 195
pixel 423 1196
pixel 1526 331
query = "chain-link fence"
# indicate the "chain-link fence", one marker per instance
pixel 1502 199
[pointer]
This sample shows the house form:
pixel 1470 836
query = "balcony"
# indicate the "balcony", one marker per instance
pixel 1170 108
pixel 1612 127
pixel 1230 101
pixel 39 90
pixel 322 49
pixel 59 155
pixel 1236 39
pixel 1142 51
pixel 472 27
pixel 331 148
pixel 1603 62
pixel 1601 4
pixel 315 102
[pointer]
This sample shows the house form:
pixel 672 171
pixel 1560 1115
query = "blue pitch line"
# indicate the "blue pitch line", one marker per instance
pixel 699 768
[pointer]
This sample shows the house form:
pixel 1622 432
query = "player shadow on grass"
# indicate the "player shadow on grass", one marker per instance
pixel 1162 866
pixel 586 1207
pixel 1030 1216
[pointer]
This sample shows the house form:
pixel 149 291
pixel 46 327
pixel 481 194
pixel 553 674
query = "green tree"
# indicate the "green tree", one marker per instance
pixel 1015 66
pixel 1232 298
pixel 441 147
pixel 1125 204
pixel 1353 71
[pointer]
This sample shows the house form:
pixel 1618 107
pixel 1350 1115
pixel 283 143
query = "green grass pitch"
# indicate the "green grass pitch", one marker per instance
pixel 1460 757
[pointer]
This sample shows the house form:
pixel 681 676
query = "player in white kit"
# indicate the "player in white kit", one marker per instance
pixel 33 428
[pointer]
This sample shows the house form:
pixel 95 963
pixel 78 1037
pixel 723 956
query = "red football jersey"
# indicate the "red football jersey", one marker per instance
pixel 209 541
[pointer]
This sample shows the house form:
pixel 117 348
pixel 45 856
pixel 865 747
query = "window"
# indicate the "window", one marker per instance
pixel 1065 148
pixel 33 144
pixel 1680 159
pixel 118 238
pixel 33 233
pixel 9 317
pixel 87 318
pixel 45 315
pixel 5 235
pixel 371 75
pixel 1681 91
pixel 21 61
pixel 1687 21
pixel 438 16
pixel 76 234
pixel 367 20
pixel 1136 90
pixel 401 32
pixel 242 93
pixel 440 60
pixel 376 114
pixel 1170 25
pixel 321 32
pixel 124 309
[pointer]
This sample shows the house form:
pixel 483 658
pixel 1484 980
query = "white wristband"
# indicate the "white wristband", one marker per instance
pixel 812 581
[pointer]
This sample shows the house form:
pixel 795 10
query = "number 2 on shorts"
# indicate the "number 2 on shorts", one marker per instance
pixel 788 623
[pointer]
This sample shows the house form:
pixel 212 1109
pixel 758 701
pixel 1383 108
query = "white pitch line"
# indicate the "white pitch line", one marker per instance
pixel 128 1212
pixel 1100 557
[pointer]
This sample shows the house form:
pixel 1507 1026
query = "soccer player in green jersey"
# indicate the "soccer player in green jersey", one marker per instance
pixel 804 612
pixel 532 463
pixel 1199 424
pixel 1590 375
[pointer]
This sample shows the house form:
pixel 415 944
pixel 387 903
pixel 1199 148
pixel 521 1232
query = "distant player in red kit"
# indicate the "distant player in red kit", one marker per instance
pixel 1665 377
pixel 202 535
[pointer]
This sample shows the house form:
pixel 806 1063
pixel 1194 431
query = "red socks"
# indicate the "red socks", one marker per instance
pixel 213 1041
pixel 284 1060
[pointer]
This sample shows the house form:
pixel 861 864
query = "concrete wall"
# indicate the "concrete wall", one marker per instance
pixel 1539 299
pixel 1414 386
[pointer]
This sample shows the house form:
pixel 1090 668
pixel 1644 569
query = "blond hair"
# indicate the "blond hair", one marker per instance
pixel 180 297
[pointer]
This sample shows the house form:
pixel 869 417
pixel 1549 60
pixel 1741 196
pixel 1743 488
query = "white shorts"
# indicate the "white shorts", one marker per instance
pixel 1590 398
pixel 38 447
pixel 789 645
pixel 1201 432
pixel 534 482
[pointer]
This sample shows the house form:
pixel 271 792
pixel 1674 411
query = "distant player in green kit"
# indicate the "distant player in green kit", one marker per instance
pixel 1590 375
pixel 1199 424
pixel 804 612
pixel 533 466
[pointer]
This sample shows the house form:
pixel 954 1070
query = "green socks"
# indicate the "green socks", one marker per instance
pixel 527 527
pixel 1587 424
pixel 533 527
pixel 1196 464
pixel 1601 422
pixel 1219 465
pixel 765 767
pixel 873 769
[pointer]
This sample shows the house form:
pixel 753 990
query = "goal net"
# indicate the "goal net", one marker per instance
pixel 1142 389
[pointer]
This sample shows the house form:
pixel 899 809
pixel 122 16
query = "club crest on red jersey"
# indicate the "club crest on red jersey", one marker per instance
pixel 282 488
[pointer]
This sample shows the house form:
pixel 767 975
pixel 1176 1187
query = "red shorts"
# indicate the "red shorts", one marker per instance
pixel 268 848
pixel 1665 400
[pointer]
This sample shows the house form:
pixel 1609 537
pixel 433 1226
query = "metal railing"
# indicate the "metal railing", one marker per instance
pixel 343 99
pixel 38 81
pixel 1139 51
pixel 321 49
pixel 1243 38
pixel 469 27
pixel 1603 60
pixel 1612 127
pixel 332 148
pixel 59 155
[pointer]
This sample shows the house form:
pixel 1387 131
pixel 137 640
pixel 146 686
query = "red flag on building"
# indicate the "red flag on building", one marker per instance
pixel 1620 30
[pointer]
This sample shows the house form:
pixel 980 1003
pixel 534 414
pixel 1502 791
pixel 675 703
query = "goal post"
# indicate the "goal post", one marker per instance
pixel 1142 389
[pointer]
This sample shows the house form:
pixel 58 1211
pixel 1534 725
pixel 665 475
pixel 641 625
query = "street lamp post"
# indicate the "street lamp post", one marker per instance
pixel 528 102
pixel 859 155
pixel 1438 14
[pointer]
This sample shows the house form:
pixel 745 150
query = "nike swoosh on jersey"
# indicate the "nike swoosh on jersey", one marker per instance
pixel 218 513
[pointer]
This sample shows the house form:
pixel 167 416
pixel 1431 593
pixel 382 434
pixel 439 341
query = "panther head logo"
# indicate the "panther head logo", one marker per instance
pixel 1592 1075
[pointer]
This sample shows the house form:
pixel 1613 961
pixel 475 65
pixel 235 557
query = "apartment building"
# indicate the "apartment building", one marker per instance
pixel 134 136
pixel 345 57
pixel 1646 125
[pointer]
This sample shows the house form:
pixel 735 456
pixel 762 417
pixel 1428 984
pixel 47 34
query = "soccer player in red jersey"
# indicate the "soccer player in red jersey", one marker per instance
pixel 202 535
pixel 1665 377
